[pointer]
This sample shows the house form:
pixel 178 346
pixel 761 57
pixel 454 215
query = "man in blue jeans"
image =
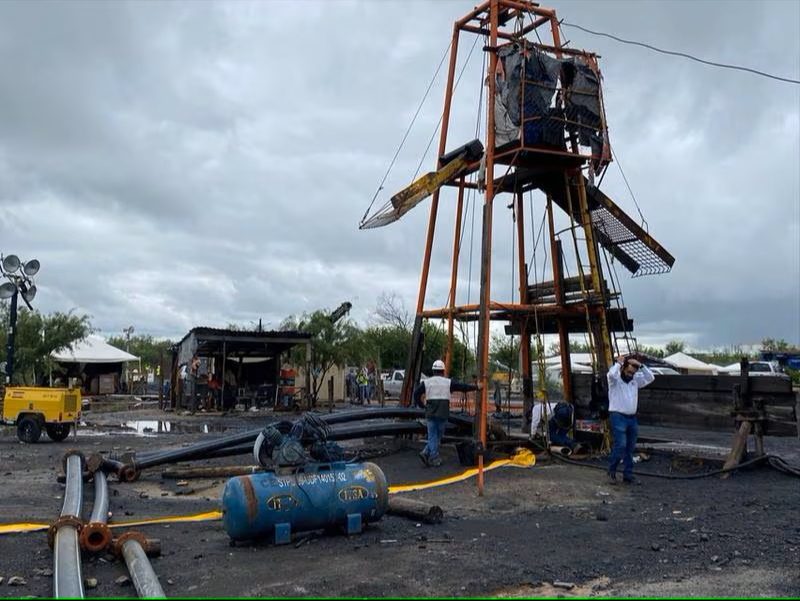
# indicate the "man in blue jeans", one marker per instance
pixel 437 390
pixel 625 378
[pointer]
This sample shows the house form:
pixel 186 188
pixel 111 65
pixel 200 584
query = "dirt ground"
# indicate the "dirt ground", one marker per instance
pixel 552 530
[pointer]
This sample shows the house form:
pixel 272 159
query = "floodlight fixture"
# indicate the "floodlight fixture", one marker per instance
pixel 31 268
pixel 7 290
pixel 11 263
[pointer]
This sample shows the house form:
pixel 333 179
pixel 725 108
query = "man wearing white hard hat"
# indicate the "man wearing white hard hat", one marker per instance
pixel 437 390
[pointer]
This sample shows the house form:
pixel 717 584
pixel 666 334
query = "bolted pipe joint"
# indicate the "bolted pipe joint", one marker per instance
pixel 69 453
pixel 128 473
pixel 94 461
pixel 64 520
pixel 95 537
pixel 151 546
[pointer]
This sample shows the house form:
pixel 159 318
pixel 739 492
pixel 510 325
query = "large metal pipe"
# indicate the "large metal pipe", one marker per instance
pixel 131 546
pixel 132 466
pixel 67 576
pixel 130 471
pixel 96 535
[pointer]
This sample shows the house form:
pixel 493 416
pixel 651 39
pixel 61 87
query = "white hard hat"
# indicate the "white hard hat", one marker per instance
pixel 438 365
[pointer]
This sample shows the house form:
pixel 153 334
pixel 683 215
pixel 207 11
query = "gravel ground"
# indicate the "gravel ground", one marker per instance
pixel 552 523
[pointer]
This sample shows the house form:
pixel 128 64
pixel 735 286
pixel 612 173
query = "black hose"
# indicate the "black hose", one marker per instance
pixel 771 460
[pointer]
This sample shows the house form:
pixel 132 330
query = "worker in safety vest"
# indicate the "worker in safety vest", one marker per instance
pixel 437 390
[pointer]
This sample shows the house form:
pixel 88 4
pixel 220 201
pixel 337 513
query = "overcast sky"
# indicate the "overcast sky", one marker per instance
pixel 178 164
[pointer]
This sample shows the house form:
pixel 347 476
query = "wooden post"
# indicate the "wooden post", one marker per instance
pixel 738 447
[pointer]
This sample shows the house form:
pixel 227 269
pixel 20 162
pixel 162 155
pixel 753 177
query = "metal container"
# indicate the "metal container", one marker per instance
pixel 313 497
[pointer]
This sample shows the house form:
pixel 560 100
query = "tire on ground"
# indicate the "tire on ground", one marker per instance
pixel 29 430
pixel 58 432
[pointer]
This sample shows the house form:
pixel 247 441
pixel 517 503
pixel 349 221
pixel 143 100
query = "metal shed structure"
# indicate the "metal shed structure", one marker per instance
pixel 238 366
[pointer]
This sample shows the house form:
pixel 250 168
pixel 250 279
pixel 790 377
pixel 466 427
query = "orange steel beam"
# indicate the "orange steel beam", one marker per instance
pixel 483 31
pixel 475 12
pixel 451 73
pixel 535 25
pixel 548 310
pixel 426 261
pixel 454 275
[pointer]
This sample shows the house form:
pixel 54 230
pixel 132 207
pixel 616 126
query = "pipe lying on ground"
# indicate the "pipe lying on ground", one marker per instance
pixel 416 510
pixel 131 546
pixel 67 576
pixel 564 451
pixel 225 471
pixel 130 468
pixel 96 535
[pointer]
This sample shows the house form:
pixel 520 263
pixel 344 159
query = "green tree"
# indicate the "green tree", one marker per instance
pixel 37 336
pixel 387 345
pixel 333 343
pixel 574 347
pixel 504 352
pixel 652 351
pixel 462 366
pixel 770 345
pixel 675 346
pixel 147 348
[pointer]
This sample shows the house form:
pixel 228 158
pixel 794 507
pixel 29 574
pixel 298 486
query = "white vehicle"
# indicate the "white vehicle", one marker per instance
pixel 664 371
pixel 393 383
pixel 758 368
pixel 765 368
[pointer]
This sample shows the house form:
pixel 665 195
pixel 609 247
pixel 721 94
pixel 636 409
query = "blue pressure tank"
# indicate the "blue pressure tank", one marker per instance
pixel 313 497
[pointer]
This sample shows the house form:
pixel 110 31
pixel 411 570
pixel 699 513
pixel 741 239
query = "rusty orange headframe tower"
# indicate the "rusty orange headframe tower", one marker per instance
pixel 546 131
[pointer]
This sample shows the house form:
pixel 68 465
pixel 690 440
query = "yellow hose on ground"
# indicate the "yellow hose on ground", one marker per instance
pixel 522 458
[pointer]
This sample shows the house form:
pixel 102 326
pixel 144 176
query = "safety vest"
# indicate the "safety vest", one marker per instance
pixel 437 388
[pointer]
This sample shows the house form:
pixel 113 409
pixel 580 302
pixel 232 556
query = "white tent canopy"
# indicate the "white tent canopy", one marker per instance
pixel 92 349
pixel 684 361
pixel 579 362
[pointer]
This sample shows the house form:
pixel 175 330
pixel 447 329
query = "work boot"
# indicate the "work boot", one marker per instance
pixel 632 481
pixel 611 478
pixel 436 462
pixel 424 458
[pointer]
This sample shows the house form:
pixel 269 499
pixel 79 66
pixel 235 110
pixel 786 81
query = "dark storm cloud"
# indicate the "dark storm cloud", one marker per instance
pixel 198 163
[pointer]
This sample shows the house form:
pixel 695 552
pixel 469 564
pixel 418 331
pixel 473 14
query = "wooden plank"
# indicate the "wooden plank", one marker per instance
pixel 738 447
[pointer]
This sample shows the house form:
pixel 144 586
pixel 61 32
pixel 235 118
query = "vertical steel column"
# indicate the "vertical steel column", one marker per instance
pixel 524 325
pixel 486 253
pixel 558 285
pixel 408 382
pixel 12 334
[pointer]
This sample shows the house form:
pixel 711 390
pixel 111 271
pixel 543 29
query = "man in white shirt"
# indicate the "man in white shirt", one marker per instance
pixel 625 378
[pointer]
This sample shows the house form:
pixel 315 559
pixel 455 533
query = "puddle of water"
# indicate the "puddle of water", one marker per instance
pixel 152 427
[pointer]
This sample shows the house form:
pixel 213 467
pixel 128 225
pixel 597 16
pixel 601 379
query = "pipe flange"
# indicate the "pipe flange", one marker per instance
pixel 69 453
pixel 64 520
pixel 128 473
pixel 131 535
pixel 95 537
pixel 93 462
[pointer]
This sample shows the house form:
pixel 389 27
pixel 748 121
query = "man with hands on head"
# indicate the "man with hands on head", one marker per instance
pixel 625 378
